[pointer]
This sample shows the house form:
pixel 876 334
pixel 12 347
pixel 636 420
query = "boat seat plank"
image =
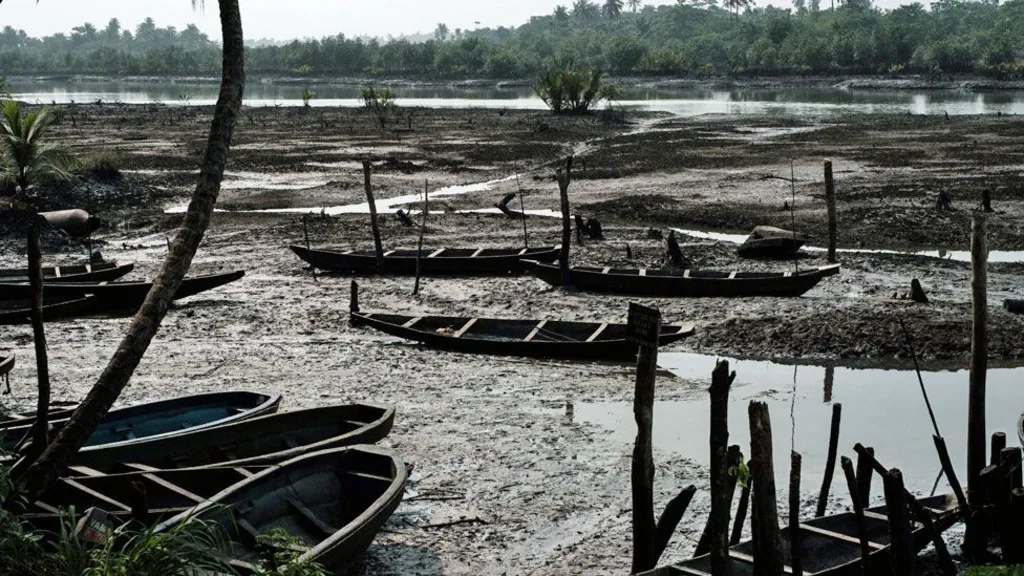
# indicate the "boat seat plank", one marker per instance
pixel 103 497
pixel 310 517
pixel 598 332
pixel 686 273
pixel 521 252
pixel 787 274
pixel 477 253
pixel 643 271
pixel 368 476
pixel 412 321
pixel 732 275
pixel 536 330
pixel 85 471
pixel 436 253
pixel 173 488
pixel 875 516
pixel 748 559
pixel 839 536
pixel 464 328
pixel 606 269
pixel 389 253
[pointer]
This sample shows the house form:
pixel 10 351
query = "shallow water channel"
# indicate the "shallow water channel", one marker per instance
pixel 881 408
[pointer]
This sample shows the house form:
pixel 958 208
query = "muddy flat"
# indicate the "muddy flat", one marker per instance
pixel 506 480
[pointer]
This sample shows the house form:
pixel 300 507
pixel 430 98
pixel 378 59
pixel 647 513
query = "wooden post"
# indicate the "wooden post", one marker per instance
pixel 864 472
pixel 669 520
pixel 767 537
pixel 377 245
pixel 1015 553
pixel 947 469
pixel 564 178
pixel 741 512
pixel 305 233
pixel 998 443
pixel 644 329
pixel 979 364
pixel 858 512
pixel 1010 460
pixel 35 275
pixel 721 496
pixel 830 465
pixel 734 457
pixel 902 546
pixel 830 381
pixel 830 201
pixel 522 207
pixel 423 229
pixel 795 563
pixel 353 299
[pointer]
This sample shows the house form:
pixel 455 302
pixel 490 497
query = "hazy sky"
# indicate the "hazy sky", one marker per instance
pixel 292 19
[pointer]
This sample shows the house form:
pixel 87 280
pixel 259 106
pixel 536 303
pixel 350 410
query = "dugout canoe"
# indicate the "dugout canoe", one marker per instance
pixel 436 262
pixel 162 419
pixel 114 296
pixel 686 283
pixel 830 545
pixel 95 272
pixel 334 502
pixel 58 411
pixel 253 442
pixel 20 311
pixel 532 338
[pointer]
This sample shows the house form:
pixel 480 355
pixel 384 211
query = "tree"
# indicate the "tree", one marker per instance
pixel 26 159
pixel 561 14
pixel 441 32
pixel 634 4
pixel 37 476
pixel 612 9
pixel 112 33
pixel 584 11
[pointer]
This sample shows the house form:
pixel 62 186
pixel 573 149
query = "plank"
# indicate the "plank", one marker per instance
pixel 732 275
pixel 409 324
pixel 85 471
pixel 536 330
pixel 436 252
pixel 173 488
pixel 598 332
pixel 643 272
pixel 310 517
pixel 606 269
pixel 102 497
pixel 56 271
pixel 686 273
pixel 521 252
pixel 477 253
pixel 465 327
pixel 838 536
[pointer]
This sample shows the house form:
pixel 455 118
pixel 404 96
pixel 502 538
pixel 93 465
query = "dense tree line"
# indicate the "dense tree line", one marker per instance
pixel 695 38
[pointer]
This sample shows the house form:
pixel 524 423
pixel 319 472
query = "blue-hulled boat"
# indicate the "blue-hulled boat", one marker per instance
pixel 163 419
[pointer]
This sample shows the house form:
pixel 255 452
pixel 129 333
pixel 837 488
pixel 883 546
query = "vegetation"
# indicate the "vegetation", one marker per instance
pixel 307 95
pixel 573 91
pixel 381 101
pixel 25 158
pixel 693 38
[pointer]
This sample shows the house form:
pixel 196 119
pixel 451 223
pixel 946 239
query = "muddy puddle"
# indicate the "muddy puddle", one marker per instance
pixel 1003 256
pixel 881 408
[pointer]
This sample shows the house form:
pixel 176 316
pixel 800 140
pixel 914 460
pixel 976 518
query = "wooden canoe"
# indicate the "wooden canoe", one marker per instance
pixel 254 442
pixel 534 338
pixel 114 296
pixel 687 283
pixel 162 419
pixel 20 311
pixel 96 272
pixel 1014 306
pixel 438 262
pixel 58 411
pixel 830 545
pixel 333 501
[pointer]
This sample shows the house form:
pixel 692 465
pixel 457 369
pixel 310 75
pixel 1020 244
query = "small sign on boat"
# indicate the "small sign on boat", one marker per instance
pixel 644 326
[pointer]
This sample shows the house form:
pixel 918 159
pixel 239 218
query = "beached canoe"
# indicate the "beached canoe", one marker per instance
pixel 438 262
pixel 686 283
pixel 534 338
pixel 97 272
pixel 20 311
pixel 333 501
pixel 58 411
pixel 830 544
pixel 1014 306
pixel 113 296
pixel 163 419
pixel 259 441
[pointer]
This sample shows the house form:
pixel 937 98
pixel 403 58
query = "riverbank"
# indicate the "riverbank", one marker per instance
pixel 917 82
pixel 509 477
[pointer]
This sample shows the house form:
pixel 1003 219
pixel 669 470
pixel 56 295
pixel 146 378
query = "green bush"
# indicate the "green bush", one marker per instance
pixel 572 91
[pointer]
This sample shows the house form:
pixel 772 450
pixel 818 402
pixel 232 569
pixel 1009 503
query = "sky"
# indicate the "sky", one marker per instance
pixel 268 18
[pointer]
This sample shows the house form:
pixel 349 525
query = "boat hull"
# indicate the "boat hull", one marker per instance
pixel 529 338
pixel 458 262
pixel 690 284
pixel 58 309
pixel 98 272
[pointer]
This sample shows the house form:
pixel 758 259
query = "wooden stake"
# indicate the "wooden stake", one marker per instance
pixel 858 512
pixel 864 472
pixel 423 229
pixel 767 537
pixel 734 457
pixel 564 178
pixel 35 274
pixel 741 512
pixel 721 496
pixel 795 562
pixel 998 443
pixel 979 364
pixel 377 245
pixel 902 544
pixel 830 201
pixel 305 232
pixel 1010 460
pixel 522 207
pixel 830 465
pixel 669 520
pixel 947 469
pixel 642 476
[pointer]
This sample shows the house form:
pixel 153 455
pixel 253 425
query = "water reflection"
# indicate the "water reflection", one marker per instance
pixel 881 408
pixel 682 101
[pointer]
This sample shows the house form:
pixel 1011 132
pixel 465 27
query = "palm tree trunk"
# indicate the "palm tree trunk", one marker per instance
pixel 147 321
